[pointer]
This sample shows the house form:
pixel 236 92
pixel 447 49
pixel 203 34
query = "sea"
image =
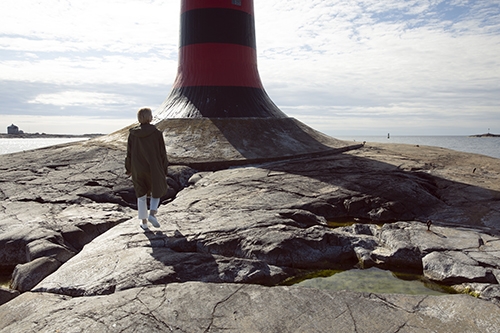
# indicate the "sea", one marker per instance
pixel 489 146
pixel 14 145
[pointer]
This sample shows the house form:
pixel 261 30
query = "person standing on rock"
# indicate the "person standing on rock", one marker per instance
pixel 147 163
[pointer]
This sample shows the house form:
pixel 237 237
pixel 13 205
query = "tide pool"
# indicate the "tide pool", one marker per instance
pixel 372 280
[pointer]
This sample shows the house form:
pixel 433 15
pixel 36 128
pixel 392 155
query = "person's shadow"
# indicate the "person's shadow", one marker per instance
pixel 184 259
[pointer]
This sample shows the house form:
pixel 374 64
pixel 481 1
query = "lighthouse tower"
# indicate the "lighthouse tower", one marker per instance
pixel 217 73
pixel 218 113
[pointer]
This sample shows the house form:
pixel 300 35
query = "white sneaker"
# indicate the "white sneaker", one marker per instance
pixel 153 221
pixel 144 226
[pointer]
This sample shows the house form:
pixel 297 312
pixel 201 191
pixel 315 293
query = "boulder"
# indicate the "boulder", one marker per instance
pixel 454 267
pixel 45 248
pixel 26 276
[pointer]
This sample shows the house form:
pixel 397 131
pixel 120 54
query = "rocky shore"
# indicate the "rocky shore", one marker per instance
pixel 229 238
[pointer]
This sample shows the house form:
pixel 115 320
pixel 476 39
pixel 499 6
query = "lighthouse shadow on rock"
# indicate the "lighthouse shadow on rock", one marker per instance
pixel 218 113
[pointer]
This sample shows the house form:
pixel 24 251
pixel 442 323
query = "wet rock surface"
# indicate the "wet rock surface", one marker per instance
pixel 68 226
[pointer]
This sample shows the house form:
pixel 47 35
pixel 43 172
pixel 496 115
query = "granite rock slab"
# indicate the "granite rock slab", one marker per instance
pixel 56 200
pixel 206 307
pixel 72 205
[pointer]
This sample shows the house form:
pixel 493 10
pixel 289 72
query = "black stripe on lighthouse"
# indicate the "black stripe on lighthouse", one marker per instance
pixel 217 25
pixel 220 102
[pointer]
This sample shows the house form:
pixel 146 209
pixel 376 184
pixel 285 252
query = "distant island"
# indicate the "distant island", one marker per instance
pixel 46 136
pixel 13 131
pixel 487 135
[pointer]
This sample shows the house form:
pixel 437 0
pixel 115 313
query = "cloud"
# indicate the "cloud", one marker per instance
pixel 393 55
pixel 326 62
pixel 77 69
pixel 113 25
pixel 94 59
pixel 74 98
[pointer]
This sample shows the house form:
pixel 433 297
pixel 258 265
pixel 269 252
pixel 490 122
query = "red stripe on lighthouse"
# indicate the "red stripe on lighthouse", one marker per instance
pixel 246 5
pixel 214 64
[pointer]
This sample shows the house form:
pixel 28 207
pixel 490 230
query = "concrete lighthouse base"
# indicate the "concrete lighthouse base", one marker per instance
pixel 214 143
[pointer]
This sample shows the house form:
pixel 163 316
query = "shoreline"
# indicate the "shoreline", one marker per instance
pixel 47 136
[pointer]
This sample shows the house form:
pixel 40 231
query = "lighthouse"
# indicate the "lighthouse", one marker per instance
pixel 217 113
pixel 217 73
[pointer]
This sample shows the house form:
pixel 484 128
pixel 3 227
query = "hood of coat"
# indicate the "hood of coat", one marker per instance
pixel 143 130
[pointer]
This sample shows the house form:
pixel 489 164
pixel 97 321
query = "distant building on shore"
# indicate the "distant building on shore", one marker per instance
pixel 13 129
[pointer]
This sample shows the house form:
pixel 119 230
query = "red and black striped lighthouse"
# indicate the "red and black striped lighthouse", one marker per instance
pixel 218 114
pixel 217 73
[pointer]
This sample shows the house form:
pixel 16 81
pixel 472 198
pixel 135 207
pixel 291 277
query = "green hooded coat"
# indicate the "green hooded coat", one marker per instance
pixel 147 161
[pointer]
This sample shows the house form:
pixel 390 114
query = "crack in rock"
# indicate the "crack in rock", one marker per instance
pixel 212 318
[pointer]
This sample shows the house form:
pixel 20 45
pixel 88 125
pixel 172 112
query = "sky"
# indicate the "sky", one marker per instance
pixel 343 67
